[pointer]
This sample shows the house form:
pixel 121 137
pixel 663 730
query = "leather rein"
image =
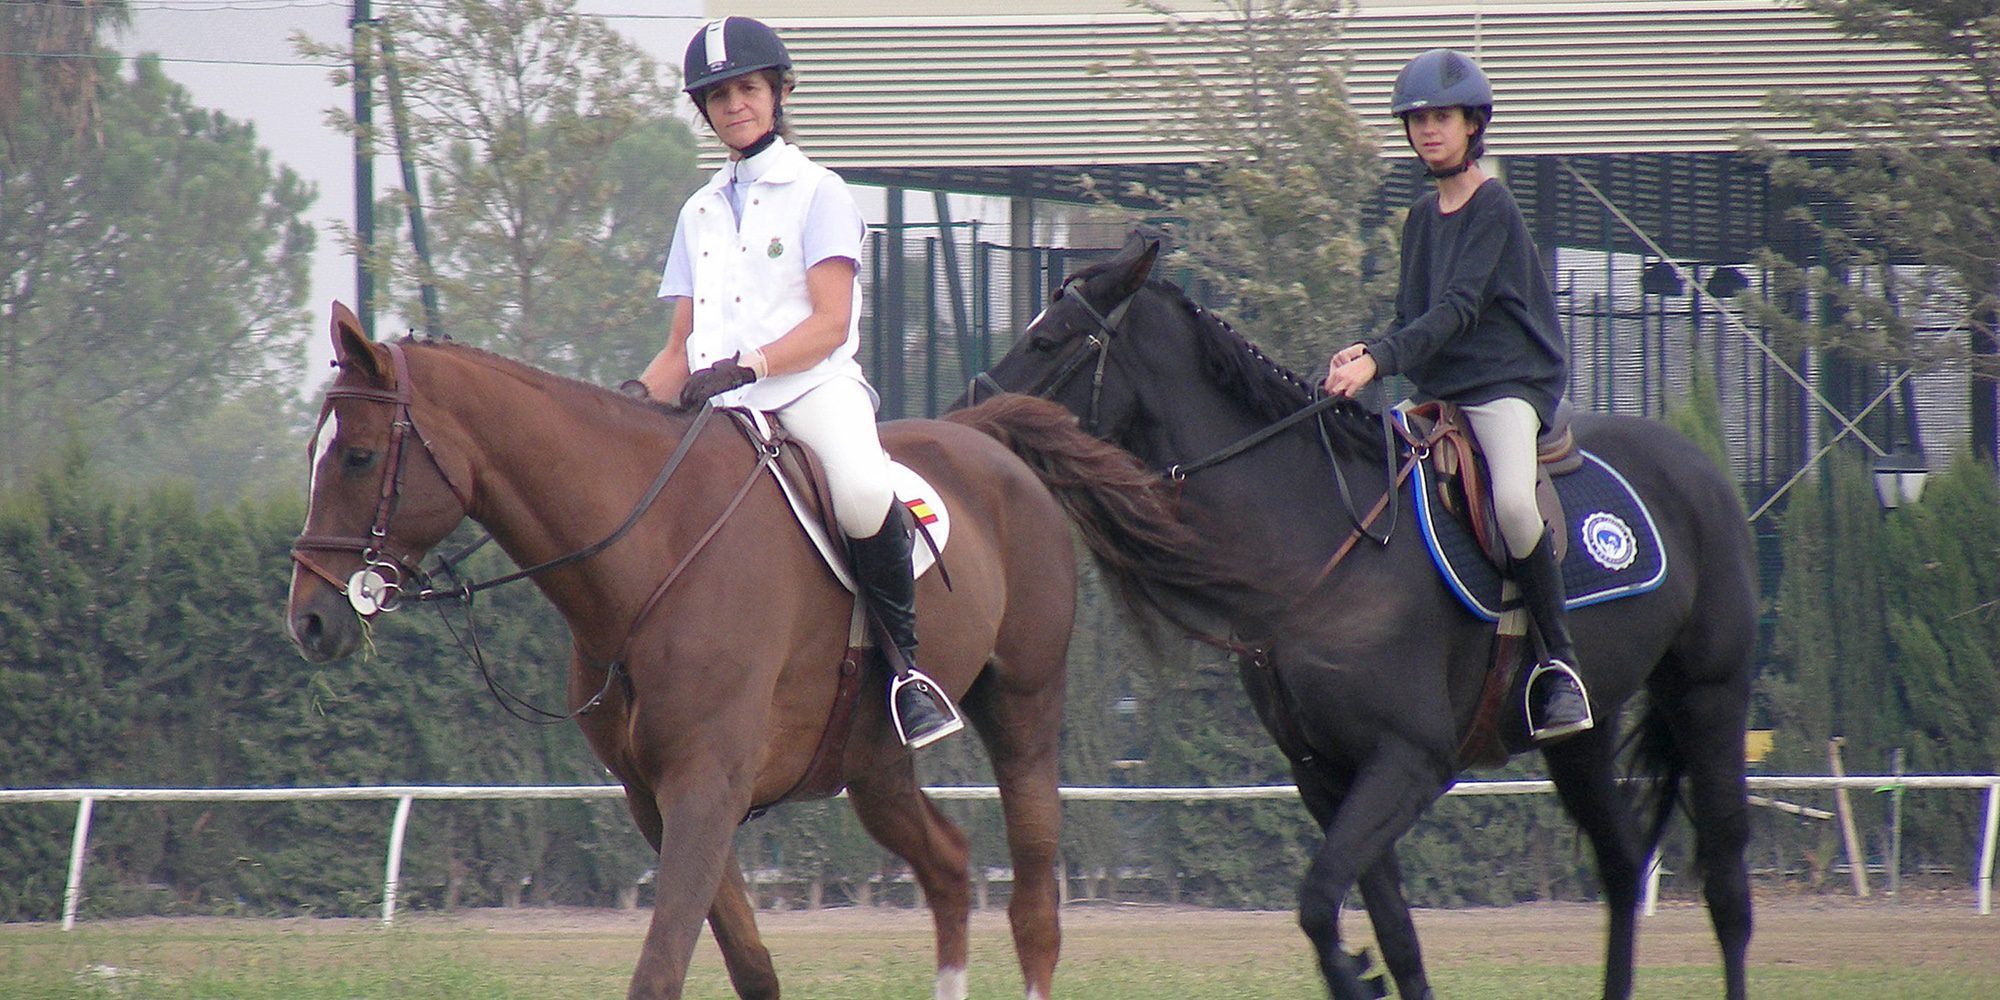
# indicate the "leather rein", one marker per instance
pixel 380 585
pixel 1097 346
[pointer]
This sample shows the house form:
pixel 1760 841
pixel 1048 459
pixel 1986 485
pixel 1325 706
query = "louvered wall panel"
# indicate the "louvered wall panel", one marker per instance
pixel 930 89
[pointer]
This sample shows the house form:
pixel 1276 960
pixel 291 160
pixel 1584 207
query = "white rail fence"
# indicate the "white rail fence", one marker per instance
pixel 86 800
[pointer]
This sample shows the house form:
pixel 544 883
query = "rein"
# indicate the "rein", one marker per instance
pixel 378 587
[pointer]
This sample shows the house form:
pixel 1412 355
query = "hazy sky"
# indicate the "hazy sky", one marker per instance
pixel 236 56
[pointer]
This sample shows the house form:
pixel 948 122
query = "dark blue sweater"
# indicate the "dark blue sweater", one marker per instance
pixel 1475 320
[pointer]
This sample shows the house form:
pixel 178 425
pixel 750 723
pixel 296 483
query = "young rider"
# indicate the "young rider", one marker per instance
pixel 762 277
pixel 1476 325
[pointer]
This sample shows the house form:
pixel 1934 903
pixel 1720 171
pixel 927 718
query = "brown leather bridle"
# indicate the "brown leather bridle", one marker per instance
pixel 379 585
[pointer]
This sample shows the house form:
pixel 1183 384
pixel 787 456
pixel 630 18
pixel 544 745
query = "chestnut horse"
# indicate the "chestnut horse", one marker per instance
pixel 708 640
pixel 1371 685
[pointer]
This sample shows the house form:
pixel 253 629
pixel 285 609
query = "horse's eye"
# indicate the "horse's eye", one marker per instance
pixel 357 458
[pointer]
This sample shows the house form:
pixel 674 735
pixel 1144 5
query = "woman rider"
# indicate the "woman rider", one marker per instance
pixel 762 277
pixel 1476 325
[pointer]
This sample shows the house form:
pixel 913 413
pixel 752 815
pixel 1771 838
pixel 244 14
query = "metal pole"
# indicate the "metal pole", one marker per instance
pixel 393 872
pixel 1653 883
pixel 1896 823
pixel 364 171
pixel 420 241
pixel 1986 848
pixel 78 841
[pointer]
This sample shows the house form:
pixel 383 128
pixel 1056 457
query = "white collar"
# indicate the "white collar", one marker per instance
pixel 752 169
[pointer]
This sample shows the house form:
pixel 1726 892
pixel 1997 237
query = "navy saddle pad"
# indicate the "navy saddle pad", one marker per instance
pixel 1614 547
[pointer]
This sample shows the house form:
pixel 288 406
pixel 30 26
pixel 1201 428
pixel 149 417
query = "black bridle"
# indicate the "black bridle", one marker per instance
pixel 1096 347
pixel 379 586
pixel 1091 347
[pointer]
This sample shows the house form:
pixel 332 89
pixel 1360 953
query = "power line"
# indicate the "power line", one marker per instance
pixel 105 54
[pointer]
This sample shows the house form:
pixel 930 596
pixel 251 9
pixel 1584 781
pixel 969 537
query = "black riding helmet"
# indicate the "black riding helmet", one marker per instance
pixel 1442 78
pixel 727 48
pixel 730 47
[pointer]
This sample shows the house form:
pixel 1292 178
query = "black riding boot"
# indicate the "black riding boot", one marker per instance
pixel 1556 703
pixel 921 711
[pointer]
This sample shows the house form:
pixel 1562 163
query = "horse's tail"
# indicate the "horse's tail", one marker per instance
pixel 1654 767
pixel 1129 516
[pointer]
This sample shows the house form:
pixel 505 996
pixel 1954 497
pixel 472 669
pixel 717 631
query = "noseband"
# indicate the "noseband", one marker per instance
pixel 378 586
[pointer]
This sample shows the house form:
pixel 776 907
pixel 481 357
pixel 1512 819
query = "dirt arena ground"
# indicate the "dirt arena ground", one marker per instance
pixel 1940 930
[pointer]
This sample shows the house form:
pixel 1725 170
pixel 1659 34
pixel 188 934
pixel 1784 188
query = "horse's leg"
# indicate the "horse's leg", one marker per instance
pixel 734 925
pixel 1385 798
pixel 1395 934
pixel 697 819
pixel 1023 742
pixel 898 815
pixel 1585 775
pixel 1381 884
pixel 730 917
pixel 1707 725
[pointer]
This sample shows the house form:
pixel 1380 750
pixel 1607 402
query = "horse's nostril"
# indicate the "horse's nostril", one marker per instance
pixel 307 629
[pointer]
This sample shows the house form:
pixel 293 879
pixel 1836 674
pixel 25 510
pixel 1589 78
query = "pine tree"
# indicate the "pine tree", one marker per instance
pixel 1277 222
pixel 1920 185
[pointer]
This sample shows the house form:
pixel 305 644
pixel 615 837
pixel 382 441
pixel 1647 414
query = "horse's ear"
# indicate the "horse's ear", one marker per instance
pixel 352 348
pixel 1135 261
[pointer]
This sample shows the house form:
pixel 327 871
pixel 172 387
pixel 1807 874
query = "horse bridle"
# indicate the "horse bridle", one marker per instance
pixel 378 586
pixel 369 591
pixel 1093 344
pixel 1100 346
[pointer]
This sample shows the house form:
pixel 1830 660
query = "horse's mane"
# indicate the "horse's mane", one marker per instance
pixel 542 378
pixel 1242 370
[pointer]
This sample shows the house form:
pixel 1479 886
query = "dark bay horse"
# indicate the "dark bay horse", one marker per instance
pixel 1377 676
pixel 708 640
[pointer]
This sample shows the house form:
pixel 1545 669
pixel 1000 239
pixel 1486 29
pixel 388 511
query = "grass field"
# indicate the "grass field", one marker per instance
pixel 1815 948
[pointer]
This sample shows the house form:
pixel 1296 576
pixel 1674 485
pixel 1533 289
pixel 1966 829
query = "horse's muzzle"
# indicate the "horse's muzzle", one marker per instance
pixel 323 625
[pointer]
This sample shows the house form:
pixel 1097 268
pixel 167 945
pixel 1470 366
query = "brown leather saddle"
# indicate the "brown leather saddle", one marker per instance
pixel 1459 467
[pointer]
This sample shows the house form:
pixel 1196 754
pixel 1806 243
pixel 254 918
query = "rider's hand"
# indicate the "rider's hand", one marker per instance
pixel 1349 371
pixel 717 378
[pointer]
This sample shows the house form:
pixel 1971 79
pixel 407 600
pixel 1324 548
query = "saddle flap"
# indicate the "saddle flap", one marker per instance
pixel 799 477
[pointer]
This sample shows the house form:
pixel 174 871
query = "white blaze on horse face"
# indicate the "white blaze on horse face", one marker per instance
pixel 951 984
pixel 327 433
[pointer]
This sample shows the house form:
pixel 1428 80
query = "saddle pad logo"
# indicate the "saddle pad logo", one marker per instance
pixel 1609 540
pixel 921 510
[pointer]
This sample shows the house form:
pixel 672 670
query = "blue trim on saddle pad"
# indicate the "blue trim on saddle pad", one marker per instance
pixel 1614 546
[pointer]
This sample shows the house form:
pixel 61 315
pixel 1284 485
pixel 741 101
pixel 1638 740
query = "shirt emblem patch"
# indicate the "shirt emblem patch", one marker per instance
pixel 776 249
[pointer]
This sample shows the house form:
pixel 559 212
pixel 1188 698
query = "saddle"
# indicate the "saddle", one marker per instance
pixel 1617 547
pixel 802 480
pixel 1459 467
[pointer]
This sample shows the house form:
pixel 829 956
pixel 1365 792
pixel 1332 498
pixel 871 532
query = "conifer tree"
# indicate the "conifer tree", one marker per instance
pixel 1277 219
pixel 1920 185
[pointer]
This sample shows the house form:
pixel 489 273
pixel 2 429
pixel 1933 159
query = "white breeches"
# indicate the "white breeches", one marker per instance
pixel 1506 429
pixel 836 419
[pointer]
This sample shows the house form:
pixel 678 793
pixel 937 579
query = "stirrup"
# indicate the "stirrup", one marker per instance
pixel 1544 734
pixel 928 689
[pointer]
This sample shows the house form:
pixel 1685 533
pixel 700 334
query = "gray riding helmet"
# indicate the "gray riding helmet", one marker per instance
pixel 1441 78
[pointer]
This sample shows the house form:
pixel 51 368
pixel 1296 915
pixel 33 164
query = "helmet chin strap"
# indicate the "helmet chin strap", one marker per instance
pixel 1463 166
pixel 762 143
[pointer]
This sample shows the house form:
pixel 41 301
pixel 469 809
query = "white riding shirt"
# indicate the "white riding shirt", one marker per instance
pixel 746 278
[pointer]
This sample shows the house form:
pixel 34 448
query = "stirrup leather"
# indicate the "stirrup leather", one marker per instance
pixel 1589 720
pixel 953 721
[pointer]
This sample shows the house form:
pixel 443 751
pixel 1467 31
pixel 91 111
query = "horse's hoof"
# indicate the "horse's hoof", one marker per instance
pixel 1377 984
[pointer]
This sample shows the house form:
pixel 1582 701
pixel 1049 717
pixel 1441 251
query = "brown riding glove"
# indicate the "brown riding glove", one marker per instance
pixel 717 378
